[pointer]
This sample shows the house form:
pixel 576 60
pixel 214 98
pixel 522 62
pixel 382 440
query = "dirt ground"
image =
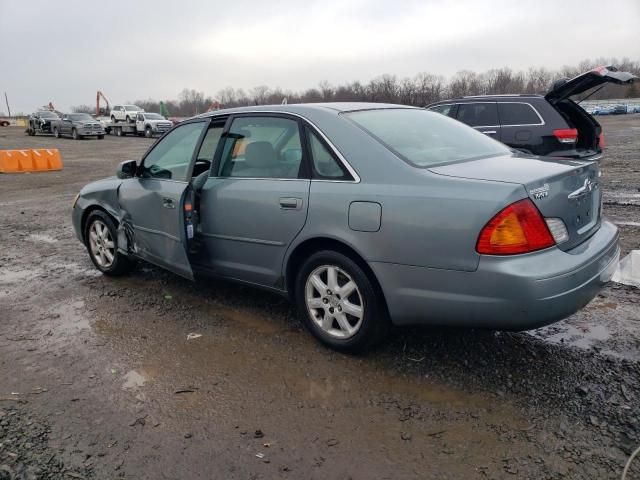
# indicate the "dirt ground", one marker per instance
pixel 98 379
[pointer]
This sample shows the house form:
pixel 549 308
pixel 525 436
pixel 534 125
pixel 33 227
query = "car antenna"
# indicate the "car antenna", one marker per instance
pixel 595 91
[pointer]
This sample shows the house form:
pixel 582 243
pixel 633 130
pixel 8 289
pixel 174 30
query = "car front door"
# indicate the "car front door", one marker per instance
pixel 483 116
pixel 140 122
pixel 154 214
pixel 65 125
pixel 255 202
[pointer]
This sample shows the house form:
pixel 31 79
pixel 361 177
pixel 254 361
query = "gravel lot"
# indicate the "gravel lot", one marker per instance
pixel 98 379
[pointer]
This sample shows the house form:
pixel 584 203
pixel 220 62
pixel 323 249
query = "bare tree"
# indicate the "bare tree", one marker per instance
pixel 421 90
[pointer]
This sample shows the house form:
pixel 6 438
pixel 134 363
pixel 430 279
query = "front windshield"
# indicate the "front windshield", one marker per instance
pixel 131 107
pixel 154 116
pixel 80 116
pixel 424 138
pixel 47 115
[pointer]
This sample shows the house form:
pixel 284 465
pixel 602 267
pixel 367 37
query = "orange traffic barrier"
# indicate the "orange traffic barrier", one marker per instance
pixel 36 160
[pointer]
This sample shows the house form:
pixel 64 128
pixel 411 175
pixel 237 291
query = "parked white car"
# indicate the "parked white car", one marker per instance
pixel 125 113
pixel 152 123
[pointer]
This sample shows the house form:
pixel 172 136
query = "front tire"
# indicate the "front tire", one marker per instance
pixel 101 239
pixel 148 132
pixel 341 306
pixel 75 135
pixel 100 137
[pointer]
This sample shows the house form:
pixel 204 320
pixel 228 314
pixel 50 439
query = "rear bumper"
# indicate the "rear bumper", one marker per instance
pixel 582 155
pixel 505 293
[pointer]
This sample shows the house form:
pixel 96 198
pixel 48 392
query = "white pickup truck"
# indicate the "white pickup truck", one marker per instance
pixel 124 113
pixel 144 123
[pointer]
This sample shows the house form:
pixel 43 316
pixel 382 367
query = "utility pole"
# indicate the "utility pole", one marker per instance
pixel 7 102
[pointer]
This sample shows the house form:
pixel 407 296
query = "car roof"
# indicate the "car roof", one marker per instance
pixel 494 98
pixel 302 108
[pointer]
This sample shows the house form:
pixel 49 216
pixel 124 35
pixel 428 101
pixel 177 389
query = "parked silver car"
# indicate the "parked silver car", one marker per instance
pixel 363 214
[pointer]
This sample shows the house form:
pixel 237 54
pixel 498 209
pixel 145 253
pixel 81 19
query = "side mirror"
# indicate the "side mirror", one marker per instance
pixel 127 169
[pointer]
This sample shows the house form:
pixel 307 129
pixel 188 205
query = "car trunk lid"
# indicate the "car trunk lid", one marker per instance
pixel 563 189
pixel 563 89
pixel 588 140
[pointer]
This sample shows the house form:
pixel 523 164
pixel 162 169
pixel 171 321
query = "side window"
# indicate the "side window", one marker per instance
pixel 518 114
pixel 170 158
pixel 262 147
pixel 140 118
pixel 444 109
pixel 478 114
pixel 210 142
pixel 325 165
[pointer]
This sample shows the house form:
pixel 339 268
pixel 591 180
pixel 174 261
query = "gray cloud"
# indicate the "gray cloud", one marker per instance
pixel 64 52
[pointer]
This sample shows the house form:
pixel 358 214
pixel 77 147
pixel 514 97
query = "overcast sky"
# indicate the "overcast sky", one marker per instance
pixel 63 51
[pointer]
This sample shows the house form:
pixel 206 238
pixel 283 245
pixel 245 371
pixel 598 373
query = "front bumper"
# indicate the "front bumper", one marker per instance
pixel 87 132
pixel 506 293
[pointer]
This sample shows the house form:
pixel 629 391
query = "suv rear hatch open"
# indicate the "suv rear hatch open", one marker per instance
pixel 561 189
pixel 588 142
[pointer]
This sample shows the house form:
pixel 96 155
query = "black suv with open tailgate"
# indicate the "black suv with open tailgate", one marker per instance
pixel 551 125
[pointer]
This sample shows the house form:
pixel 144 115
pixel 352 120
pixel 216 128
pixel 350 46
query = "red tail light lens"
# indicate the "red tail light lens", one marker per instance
pixel 601 140
pixel 519 228
pixel 566 135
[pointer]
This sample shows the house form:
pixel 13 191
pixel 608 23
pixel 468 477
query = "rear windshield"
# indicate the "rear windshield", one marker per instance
pixel 154 116
pixel 132 107
pixel 425 138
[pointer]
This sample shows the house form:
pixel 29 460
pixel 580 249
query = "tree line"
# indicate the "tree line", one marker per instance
pixel 419 90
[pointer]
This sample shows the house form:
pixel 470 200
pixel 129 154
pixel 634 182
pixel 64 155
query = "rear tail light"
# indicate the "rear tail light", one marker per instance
pixel 519 228
pixel 566 135
pixel 601 140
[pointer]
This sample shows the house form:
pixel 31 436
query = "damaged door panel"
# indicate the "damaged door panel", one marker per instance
pixel 157 204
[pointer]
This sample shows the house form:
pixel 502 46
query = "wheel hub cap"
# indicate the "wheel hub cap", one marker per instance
pixel 334 301
pixel 101 244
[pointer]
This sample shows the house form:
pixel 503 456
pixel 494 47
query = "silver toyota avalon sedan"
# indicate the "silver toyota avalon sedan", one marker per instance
pixel 365 215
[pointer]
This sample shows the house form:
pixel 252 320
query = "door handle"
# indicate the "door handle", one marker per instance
pixel 290 203
pixel 489 132
pixel 168 203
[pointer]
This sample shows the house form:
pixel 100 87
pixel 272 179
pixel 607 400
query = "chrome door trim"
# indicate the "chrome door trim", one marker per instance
pixel 259 241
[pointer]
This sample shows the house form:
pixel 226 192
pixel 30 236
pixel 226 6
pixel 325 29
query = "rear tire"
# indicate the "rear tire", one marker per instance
pixel 100 137
pixel 113 119
pixel 56 132
pixel 340 305
pixel 101 240
pixel 127 119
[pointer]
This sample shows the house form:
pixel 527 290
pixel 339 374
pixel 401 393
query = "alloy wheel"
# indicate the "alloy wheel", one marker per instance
pixel 334 301
pixel 103 248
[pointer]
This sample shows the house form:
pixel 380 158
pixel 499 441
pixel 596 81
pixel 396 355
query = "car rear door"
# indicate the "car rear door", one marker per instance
pixel 483 116
pixel 520 126
pixel 156 205
pixel 255 203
